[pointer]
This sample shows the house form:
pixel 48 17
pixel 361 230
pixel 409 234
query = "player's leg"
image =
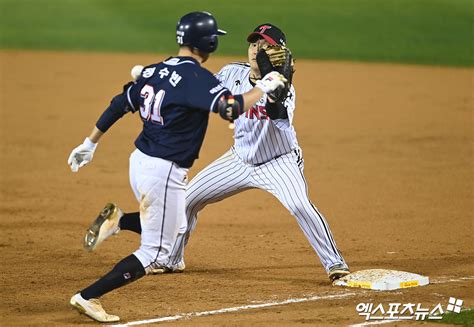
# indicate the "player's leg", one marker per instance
pixel 110 221
pixel 161 185
pixel 105 225
pixel 131 221
pixel 86 301
pixel 284 178
pixel 221 179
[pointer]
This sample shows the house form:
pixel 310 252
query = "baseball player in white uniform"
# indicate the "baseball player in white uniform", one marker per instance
pixel 265 155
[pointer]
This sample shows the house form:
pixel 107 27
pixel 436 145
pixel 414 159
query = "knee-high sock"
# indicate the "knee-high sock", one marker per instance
pixel 126 271
pixel 131 221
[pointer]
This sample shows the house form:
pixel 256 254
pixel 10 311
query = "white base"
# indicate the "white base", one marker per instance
pixel 382 279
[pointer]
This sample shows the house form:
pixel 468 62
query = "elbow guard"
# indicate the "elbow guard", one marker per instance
pixel 230 107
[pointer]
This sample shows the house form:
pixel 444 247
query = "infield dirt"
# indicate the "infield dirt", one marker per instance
pixel 388 159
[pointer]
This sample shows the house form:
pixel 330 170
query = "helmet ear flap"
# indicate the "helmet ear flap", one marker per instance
pixel 208 43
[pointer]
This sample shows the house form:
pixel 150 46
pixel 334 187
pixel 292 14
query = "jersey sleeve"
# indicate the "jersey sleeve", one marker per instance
pixel 132 94
pixel 222 74
pixel 204 90
pixel 119 106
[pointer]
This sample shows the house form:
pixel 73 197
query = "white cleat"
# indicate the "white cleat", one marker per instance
pixel 91 308
pixel 179 268
pixel 105 225
pixel 338 271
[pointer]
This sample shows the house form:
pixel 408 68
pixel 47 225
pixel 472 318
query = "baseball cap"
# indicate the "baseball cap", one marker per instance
pixel 269 32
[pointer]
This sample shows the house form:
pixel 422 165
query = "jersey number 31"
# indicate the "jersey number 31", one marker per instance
pixel 150 110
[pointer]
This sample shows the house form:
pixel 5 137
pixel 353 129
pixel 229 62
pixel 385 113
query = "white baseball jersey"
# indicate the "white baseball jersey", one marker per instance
pixel 258 139
pixel 266 156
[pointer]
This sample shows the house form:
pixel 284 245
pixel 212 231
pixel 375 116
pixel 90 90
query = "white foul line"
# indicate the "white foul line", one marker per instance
pixel 235 309
pixel 441 280
pixel 444 280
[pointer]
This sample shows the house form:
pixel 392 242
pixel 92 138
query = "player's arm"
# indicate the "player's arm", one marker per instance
pixel 230 107
pixel 119 106
pixel 276 110
pixel 279 109
pixel 278 58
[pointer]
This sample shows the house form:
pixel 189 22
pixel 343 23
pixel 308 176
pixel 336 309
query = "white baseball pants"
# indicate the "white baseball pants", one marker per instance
pixel 283 177
pixel 159 186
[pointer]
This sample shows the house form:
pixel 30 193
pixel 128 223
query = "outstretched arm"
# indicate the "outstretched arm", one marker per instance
pixel 95 135
pixel 82 155
pixel 230 107
pixel 119 106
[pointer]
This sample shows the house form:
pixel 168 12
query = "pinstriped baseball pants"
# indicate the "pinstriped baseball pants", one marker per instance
pixel 283 177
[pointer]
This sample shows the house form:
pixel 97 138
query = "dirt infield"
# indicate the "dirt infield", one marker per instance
pixel 388 158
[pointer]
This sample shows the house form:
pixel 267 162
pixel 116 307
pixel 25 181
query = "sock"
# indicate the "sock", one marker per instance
pixel 131 221
pixel 126 271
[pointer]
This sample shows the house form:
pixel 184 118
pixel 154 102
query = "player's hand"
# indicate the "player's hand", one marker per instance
pixel 271 82
pixel 81 155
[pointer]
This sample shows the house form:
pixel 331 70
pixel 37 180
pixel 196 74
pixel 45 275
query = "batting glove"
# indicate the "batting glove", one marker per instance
pixel 271 82
pixel 81 155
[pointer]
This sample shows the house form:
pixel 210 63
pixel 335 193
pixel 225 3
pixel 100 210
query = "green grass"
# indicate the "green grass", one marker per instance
pixel 465 318
pixel 438 32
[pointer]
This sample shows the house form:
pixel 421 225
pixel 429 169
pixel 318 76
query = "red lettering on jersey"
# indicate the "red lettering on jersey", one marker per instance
pixel 257 112
pixel 251 113
pixel 263 113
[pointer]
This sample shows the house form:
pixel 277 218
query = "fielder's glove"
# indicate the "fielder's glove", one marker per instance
pixel 279 58
pixel 81 155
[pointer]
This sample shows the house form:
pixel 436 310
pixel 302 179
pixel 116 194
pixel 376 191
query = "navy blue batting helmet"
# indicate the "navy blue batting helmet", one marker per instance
pixel 198 30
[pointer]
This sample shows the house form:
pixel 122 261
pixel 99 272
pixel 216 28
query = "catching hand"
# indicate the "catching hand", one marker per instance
pixel 271 81
pixel 81 155
pixel 277 58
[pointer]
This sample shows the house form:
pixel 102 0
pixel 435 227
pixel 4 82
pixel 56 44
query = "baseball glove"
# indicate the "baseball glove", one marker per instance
pixel 277 58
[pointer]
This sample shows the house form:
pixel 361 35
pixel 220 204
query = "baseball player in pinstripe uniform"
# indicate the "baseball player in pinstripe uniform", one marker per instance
pixel 174 99
pixel 265 155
